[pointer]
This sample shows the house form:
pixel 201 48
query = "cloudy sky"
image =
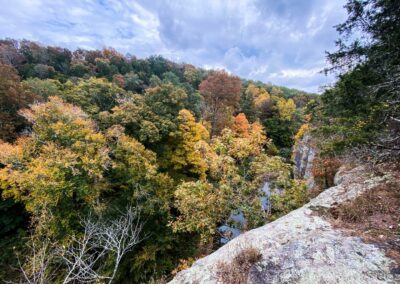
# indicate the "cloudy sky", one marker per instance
pixel 278 41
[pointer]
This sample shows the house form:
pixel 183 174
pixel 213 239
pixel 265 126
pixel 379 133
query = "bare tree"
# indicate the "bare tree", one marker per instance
pixel 83 258
pixel 36 271
pixel 101 239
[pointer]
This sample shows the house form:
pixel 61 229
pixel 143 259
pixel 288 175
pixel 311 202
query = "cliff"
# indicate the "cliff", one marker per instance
pixel 304 246
pixel 303 156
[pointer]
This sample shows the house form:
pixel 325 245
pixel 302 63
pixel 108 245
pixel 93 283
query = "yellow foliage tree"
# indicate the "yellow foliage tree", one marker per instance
pixel 190 153
pixel 259 94
pixel 286 108
pixel 59 169
pixel 202 207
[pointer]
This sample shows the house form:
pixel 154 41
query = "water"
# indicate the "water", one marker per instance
pixel 265 205
pixel 229 232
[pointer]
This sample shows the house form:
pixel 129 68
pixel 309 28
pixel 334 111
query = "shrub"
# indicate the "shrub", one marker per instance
pixel 380 200
pixel 237 271
pixel 324 170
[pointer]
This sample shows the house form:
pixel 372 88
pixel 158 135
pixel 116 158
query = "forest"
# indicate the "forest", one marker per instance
pixel 94 134
pixel 117 169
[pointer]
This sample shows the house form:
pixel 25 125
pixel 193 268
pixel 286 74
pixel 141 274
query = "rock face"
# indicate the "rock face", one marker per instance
pixel 303 157
pixel 303 247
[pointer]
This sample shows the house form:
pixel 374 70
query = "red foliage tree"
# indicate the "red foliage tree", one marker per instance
pixel 221 95
pixel 13 97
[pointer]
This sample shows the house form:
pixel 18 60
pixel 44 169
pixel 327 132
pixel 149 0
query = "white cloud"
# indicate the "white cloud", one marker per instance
pixel 296 73
pixel 278 41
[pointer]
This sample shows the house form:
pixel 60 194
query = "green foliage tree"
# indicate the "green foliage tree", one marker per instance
pixel 133 82
pixel 152 116
pixel 93 95
pixel 43 71
pixel 43 88
pixel 364 101
pixel 104 69
pixel 154 81
pixel 192 76
pixel 79 69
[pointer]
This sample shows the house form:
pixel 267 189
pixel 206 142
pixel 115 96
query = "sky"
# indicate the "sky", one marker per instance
pixel 278 41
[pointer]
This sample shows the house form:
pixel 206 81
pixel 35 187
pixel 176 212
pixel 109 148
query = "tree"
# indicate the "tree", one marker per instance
pixel 189 154
pixel 158 65
pixel 34 52
pixel 9 53
pixel 170 77
pixel 152 116
pixel 276 91
pixel 286 108
pixel 378 19
pixel 367 60
pixel 221 96
pixel 154 81
pixel 202 208
pixel 119 80
pixel 43 89
pixel 241 145
pixel 93 95
pixel 13 97
pixel 85 258
pixel 192 76
pixel 256 102
pixel 134 174
pixel 247 106
pixel 43 71
pixel 259 95
pixel 241 125
pixel 104 69
pixel 59 170
pixel 59 58
pixel 133 82
pixel 79 69
pixel 101 239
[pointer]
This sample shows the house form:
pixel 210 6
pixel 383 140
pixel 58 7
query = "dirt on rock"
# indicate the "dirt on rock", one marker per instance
pixel 374 216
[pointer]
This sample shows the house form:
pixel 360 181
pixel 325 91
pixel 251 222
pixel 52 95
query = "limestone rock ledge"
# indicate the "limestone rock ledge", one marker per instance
pixel 303 247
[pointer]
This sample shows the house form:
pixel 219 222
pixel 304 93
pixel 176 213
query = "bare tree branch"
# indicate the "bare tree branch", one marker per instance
pixel 84 256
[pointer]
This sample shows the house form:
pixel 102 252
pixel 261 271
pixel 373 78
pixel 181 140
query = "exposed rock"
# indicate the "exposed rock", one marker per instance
pixel 304 155
pixel 303 247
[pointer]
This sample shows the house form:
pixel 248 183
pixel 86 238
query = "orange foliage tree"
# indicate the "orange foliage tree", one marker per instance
pixel 241 125
pixel 324 171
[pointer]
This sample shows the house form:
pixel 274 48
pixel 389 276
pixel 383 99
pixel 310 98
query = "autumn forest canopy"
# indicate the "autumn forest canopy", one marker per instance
pixel 118 169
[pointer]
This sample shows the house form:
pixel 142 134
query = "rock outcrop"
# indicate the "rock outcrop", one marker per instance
pixel 303 156
pixel 303 247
